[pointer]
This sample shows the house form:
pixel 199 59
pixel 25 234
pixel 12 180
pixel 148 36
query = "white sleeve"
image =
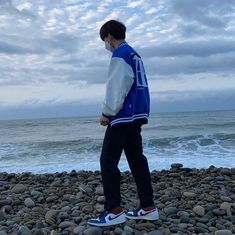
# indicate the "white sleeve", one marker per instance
pixel 120 80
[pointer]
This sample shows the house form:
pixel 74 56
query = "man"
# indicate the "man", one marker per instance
pixel 125 110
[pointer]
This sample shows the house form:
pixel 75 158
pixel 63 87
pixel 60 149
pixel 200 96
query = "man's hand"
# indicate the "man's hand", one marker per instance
pixel 104 121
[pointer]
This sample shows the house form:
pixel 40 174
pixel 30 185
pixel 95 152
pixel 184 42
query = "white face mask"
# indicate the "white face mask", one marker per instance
pixel 109 47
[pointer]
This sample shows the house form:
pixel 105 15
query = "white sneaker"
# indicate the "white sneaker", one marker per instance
pixel 149 213
pixel 108 218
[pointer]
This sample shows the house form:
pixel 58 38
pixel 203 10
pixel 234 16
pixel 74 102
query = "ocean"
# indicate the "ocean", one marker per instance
pixel 195 139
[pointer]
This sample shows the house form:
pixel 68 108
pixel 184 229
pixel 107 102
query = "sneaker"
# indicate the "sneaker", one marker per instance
pixel 109 218
pixel 148 213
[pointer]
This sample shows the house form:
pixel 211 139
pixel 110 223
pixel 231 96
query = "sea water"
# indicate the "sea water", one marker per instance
pixel 195 139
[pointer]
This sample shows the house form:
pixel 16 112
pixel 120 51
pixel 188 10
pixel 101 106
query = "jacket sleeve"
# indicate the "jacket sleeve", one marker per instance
pixel 120 80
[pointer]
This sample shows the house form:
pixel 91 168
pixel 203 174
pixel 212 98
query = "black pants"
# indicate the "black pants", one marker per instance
pixel 117 138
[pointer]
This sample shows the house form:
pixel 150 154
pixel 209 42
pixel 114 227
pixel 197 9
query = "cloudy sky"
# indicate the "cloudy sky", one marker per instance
pixel 53 63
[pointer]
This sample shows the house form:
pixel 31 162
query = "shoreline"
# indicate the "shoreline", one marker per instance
pixel 189 200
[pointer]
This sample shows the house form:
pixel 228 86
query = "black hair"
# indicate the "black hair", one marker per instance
pixel 114 28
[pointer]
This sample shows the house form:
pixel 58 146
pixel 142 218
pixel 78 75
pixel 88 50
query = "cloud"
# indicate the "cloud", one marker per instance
pixel 47 46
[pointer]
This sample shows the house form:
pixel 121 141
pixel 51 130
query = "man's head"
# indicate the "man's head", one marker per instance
pixel 111 32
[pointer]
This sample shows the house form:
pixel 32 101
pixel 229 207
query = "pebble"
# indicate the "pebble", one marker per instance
pixel 19 188
pixel 170 210
pixel 79 229
pixel 176 165
pixel 93 231
pixel 2 216
pixel 29 202
pixel 5 202
pixel 223 232
pixel 128 229
pixel 24 229
pixel 194 201
pixel 219 212
pixel 189 194
pixel 86 189
pixel 67 224
pixel 3 233
pixel 101 199
pixel 199 210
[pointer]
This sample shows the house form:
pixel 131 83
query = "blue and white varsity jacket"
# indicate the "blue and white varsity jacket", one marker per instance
pixel 127 94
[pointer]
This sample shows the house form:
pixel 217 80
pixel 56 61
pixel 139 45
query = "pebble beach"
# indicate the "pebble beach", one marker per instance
pixel 189 200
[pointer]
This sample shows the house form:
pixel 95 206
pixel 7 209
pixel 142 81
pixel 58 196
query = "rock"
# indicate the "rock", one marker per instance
pixel 176 165
pixel 174 174
pixel 29 202
pixel 79 229
pixel 144 226
pixel 156 232
pixel 93 231
pixel 53 232
pixel 118 231
pixel 50 217
pixel 2 216
pixel 66 224
pixel 52 198
pixel 101 199
pixel 201 230
pixel 5 202
pixel 24 229
pixel 128 229
pixel 189 194
pixel 35 193
pixel 223 232
pixel 199 210
pixel 100 208
pixel 219 212
pixel 3 233
pixel 99 190
pixel 87 209
pixel 226 199
pixel 227 207
pixel 170 210
pixel 19 188
pixel 86 189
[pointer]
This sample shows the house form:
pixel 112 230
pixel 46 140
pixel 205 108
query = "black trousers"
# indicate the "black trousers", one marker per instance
pixel 125 137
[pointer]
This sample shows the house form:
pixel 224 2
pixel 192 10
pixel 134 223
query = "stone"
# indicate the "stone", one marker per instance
pixel 156 232
pixel 35 193
pixel 223 232
pixel 226 199
pixel 100 208
pixel 176 165
pixel 199 210
pixel 50 217
pixel 52 198
pixel 5 202
pixel 170 210
pixel 128 229
pixel 99 190
pixel 3 233
pixel 2 216
pixel 219 212
pixel 101 199
pixel 93 231
pixel 79 229
pixel 86 189
pixel 118 231
pixel 29 202
pixel 189 194
pixel 227 207
pixel 174 174
pixel 67 224
pixel 19 188
pixel 144 226
pixel 24 229
pixel 53 232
